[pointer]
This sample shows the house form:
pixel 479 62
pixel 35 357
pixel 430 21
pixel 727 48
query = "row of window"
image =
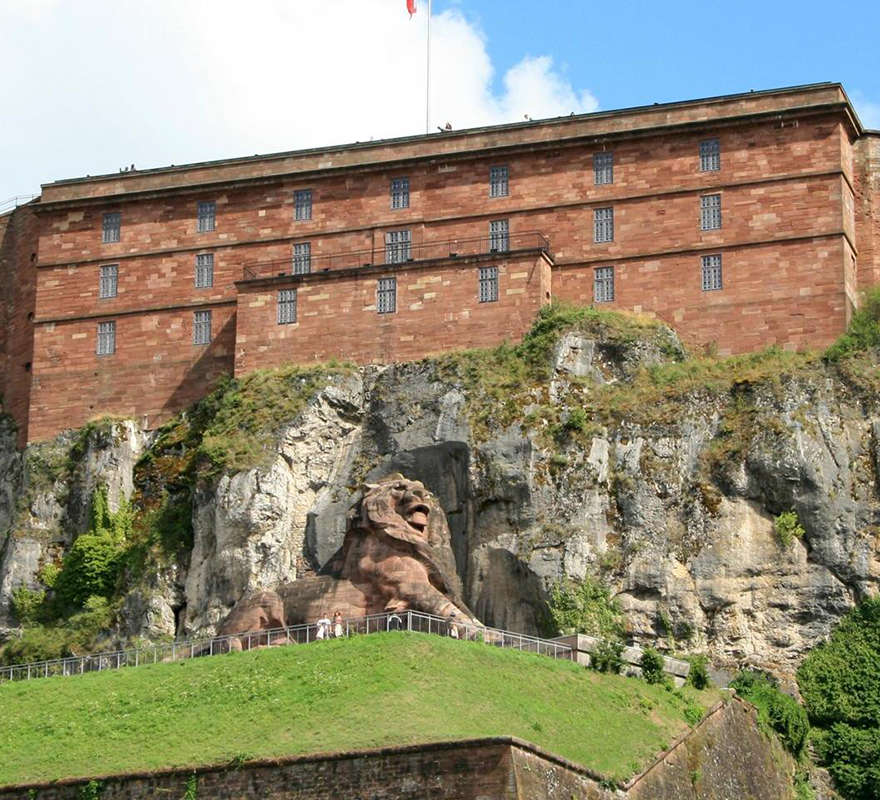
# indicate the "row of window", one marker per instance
pixel 106 345
pixel 603 279
pixel 710 218
pixel 204 276
pixel 499 186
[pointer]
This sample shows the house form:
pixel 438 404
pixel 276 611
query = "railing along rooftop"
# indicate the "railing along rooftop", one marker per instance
pixel 397 254
pixel 414 621
pixel 14 202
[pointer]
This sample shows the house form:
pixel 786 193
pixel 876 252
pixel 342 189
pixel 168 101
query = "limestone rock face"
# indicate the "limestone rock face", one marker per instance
pixel 46 495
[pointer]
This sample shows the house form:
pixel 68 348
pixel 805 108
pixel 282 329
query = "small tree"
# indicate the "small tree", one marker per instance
pixel 652 666
pixel 586 607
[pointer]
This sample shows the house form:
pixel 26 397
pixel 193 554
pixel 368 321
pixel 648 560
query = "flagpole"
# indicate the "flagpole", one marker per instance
pixel 428 86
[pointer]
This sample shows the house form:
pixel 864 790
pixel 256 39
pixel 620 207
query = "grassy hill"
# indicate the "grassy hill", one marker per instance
pixel 364 692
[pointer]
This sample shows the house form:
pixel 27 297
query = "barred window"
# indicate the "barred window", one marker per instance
pixel 202 327
pixel 603 225
pixel 710 212
pixel 488 284
pixel 204 270
pixel 286 306
pixel 109 280
pixel 499 236
pixel 302 204
pixel 400 193
pixel 710 155
pixel 711 273
pixel 112 227
pixel 398 247
pixel 302 258
pixel 499 182
pixel 207 213
pixel 603 168
pixel 603 285
pixel 106 338
pixel 386 295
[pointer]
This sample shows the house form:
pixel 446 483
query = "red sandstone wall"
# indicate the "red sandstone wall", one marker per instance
pixel 18 254
pixel 437 309
pixel 867 209
pixel 155 371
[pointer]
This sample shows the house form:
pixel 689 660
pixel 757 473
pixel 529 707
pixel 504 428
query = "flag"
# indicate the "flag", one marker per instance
pixel 411 7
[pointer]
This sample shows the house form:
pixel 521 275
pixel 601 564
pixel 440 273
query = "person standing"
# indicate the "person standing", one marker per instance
pixel 337 624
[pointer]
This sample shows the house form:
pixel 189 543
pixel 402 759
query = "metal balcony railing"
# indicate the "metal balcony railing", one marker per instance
pixel 295 634
pixel 398 253
pixel 14 202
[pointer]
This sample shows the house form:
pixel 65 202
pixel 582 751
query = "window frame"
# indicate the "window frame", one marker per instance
pixel 301 263
pixel 386 295
pixel 105 344
pixel 487 285
pixel 603 173
pixel 603 226
pixel 710 155
pixel 111 227
pixel 499 180
pixel 302 205
pixel 499 236
pixel 110 280
pixel 398 246
pixel 603 285
pixel 399 193
pixel 206 222
pixel 200 327
pixel 204 266
pixel 286 300
pixel 712 273
pixel 710 212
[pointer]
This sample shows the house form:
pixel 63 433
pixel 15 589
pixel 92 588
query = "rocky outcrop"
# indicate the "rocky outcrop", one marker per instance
pixel 672 500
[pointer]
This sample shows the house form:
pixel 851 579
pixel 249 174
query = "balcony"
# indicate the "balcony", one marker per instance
pixel 397 254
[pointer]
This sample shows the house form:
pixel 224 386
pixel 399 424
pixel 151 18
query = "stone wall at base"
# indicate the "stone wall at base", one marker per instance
pixel 725 758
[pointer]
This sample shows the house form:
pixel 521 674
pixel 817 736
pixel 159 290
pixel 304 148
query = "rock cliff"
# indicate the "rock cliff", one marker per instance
pixel 596 448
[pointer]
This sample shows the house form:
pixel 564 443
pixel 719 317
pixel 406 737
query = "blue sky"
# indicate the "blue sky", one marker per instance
pixel 94 85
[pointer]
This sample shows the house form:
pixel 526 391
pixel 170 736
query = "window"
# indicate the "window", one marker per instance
pixel 603 168
pixel 286 306
pixel 386 295
pixel 106 338
pixel 302 204
pixel 499 185
pixel 711 273
pixel 398 247
pixel 710 212
pixel 302 258
pixel 603 225
pixel 112 227
pixel 204 270
pixel 202 327
pixel 499 236
pixel 207 213
pixel 488 284
pixel 710 155
pixel 109 280
pixel 400 193
pixel 603 285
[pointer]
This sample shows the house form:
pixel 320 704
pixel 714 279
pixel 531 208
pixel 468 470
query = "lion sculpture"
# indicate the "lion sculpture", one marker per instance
pixel 396 556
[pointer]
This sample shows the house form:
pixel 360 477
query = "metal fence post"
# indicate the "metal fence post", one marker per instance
pixel 409 619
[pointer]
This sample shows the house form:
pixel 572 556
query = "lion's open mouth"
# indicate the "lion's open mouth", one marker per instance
pixel 417 517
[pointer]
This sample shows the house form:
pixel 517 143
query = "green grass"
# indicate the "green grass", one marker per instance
pixel 340 695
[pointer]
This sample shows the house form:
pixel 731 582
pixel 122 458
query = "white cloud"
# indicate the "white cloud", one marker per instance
pixel 108 83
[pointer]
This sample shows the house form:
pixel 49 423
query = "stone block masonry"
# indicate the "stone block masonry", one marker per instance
pixel 795 239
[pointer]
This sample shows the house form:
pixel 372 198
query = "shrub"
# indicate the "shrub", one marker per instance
pixel 853 759
pixel 787 527
pixel 27 605
pixel 698 677
pixel 652 666
pixel 586 607
pixel 863 332
pixel 607 657
pixel 776 711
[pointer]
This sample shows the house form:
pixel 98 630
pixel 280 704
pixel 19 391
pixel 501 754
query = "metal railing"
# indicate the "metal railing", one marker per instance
pixel 14 202
pixel 398 254
pixel 414 621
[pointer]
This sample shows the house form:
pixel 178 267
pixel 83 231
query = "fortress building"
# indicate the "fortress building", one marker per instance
pixel 747 220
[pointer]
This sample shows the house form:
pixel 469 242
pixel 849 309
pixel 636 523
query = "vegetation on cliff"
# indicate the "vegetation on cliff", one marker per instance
pixel 338 695
pixel 840 684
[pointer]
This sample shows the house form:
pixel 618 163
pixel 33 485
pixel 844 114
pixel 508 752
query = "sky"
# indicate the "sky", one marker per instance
pixel 90 86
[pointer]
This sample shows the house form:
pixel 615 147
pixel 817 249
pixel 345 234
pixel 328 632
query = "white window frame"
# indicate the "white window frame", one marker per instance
pixel 712 273
pixel 399 193
pixel 487 290
pixel 302 205
pixel 603 225
pixel 386 296
pixel 202 327
pixel 206 216
pixel 398 247
pixel 603 168
pixel 111 227
pixel 710 212
pixel 286 306
pixel 106 343
pixel 204 276
pixel 499 181
pixel 603 285
pixel 710 155
pixel 108 284
pixel 302 258
pixel 499 236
